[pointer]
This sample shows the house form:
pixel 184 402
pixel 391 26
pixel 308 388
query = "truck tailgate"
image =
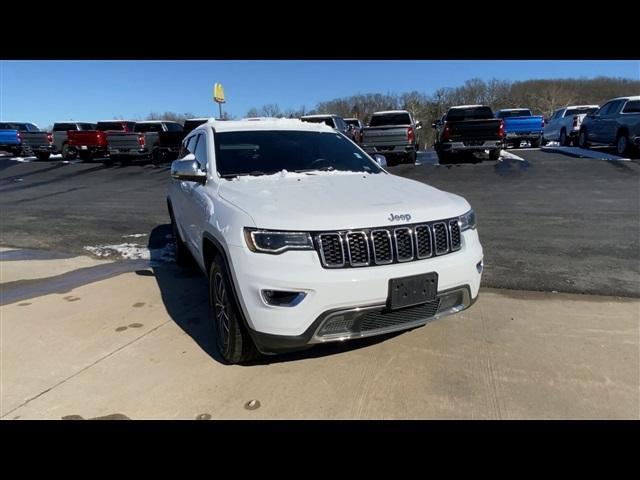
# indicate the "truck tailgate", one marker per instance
pixel 523 124
pixel 475 130
pixel 380 136
pixel 123 141
pixel 35 139
pixel 89 138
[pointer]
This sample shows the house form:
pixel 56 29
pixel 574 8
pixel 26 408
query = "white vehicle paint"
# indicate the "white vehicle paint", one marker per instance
pixel 268 239
pixel 564 125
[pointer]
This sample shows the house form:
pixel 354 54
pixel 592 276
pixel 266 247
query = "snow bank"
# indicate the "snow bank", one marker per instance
pixel 584 153
pixel 133 251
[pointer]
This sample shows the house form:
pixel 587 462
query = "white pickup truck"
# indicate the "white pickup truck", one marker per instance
pixel 564 125
pixel 306 239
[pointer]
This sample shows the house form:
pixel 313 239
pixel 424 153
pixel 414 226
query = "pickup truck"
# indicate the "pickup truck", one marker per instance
pixel 158 140
pixel 191 123
pixel 564 125
pixel 392 133
pixel 25 139
pixel 89 144
pixel 616 123
pixel 520 124
pixel 468 128
pixel 60 134
pixel 298 254
pixel 356 128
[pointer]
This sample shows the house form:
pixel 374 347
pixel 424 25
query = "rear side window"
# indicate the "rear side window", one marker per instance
pixel 147 127
pixel 632 107
pixel 63 127
pixel 514 113
pixel 110 126
pixel 173 127
pixel 579 111
pixel 472 113
pixel 86 126
pixel 390 119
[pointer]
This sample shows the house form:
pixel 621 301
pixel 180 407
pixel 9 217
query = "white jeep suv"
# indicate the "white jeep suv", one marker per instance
pixel 305 239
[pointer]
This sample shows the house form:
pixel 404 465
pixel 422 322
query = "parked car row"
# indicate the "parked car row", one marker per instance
pixel 123 140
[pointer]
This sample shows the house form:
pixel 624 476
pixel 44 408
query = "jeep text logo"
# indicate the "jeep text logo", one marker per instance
pixel 405 217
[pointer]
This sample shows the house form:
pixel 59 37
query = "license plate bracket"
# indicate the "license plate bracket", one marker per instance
pixel 413 290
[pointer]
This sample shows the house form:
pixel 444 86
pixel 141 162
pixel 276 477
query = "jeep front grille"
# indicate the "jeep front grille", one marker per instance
pixel 386 245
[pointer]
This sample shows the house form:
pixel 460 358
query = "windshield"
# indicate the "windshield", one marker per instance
pixel 189 125
pixel 471 113
pixel 579 111
pixel 269 152
pixel 326 120
pixel 514 113
pixel 390 119
pixel 354 122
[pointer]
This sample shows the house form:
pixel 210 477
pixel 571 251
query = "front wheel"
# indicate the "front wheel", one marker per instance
pixel 563 139
pixel 233 340
pixel 582 139
pixel 622 144
pixel 494 154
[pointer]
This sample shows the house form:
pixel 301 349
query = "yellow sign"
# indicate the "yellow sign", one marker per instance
pixel 218 93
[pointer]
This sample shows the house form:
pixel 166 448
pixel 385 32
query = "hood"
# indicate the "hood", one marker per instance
pixel 338 200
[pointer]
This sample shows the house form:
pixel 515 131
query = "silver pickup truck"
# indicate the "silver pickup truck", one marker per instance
pixel 158 140
pixel 392 133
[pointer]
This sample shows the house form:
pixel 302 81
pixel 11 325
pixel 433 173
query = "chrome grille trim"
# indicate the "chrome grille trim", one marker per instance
pixel 321 249
pixel 428 229
pixel 435 238
pixel 348 236
pixel 454 246
pixel 395 239
pixel 373 246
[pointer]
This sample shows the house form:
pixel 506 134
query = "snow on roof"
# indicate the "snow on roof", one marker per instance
pixel 468 106
pixel 582 106
pixel 320 115
pixel 204 119
pixel 635 97
pixel 266 124
pixel 384 112
pixel 512 109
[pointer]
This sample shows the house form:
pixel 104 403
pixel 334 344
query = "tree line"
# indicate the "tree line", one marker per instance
pixel 542 96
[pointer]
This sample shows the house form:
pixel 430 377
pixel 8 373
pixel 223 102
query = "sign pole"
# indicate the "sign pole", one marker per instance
pixel 220 110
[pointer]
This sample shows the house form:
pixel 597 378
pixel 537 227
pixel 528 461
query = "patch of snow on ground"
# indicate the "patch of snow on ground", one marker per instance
pixel 23 159
pixel 135 235
pixel 510 156
pixel 133 251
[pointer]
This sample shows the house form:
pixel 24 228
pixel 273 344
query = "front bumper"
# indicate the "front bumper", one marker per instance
pixel 278 328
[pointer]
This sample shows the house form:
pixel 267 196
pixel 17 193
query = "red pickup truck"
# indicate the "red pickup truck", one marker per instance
pixel 88 144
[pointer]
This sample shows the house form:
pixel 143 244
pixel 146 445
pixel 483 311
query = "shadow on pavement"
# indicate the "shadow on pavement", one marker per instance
pixel 185 295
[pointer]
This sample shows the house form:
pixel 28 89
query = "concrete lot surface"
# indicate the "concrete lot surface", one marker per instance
pixel 139 345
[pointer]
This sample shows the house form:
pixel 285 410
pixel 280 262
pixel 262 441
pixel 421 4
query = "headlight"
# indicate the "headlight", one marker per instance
pixel 270 241
pixel 468 220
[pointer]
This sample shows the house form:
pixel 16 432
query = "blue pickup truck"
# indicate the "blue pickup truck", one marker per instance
pixel 25 139
pixel 520 125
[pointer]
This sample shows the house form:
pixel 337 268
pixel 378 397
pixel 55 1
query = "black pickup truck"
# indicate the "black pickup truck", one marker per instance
pixel 468 128
pixel 158 140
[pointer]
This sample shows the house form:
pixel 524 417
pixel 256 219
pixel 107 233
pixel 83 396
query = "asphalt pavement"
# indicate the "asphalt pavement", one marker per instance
pixel 549 222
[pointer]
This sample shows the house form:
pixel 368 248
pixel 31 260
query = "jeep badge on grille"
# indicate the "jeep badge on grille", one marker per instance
pixel 405 217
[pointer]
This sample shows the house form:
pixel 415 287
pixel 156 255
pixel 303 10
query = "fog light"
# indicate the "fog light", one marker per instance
pixel 479 266
pixel 281 298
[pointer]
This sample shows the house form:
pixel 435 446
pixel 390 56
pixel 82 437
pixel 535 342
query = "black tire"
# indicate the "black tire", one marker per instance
pixel 494 154
pixel 574 142
pixel 85 156
pixel 158 156
pixel 516 144
pixel 392 160
pixel 582 139
pixel 233 340
pixel 68 153
pixel 183 257
pixel 411 157
pixel 43 156
pixel 622 143
pixel 563 140
pixel 535 143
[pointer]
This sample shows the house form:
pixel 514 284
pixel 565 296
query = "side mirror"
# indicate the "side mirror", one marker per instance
pixel 188 170
pixel 418 125
pixel 380 160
